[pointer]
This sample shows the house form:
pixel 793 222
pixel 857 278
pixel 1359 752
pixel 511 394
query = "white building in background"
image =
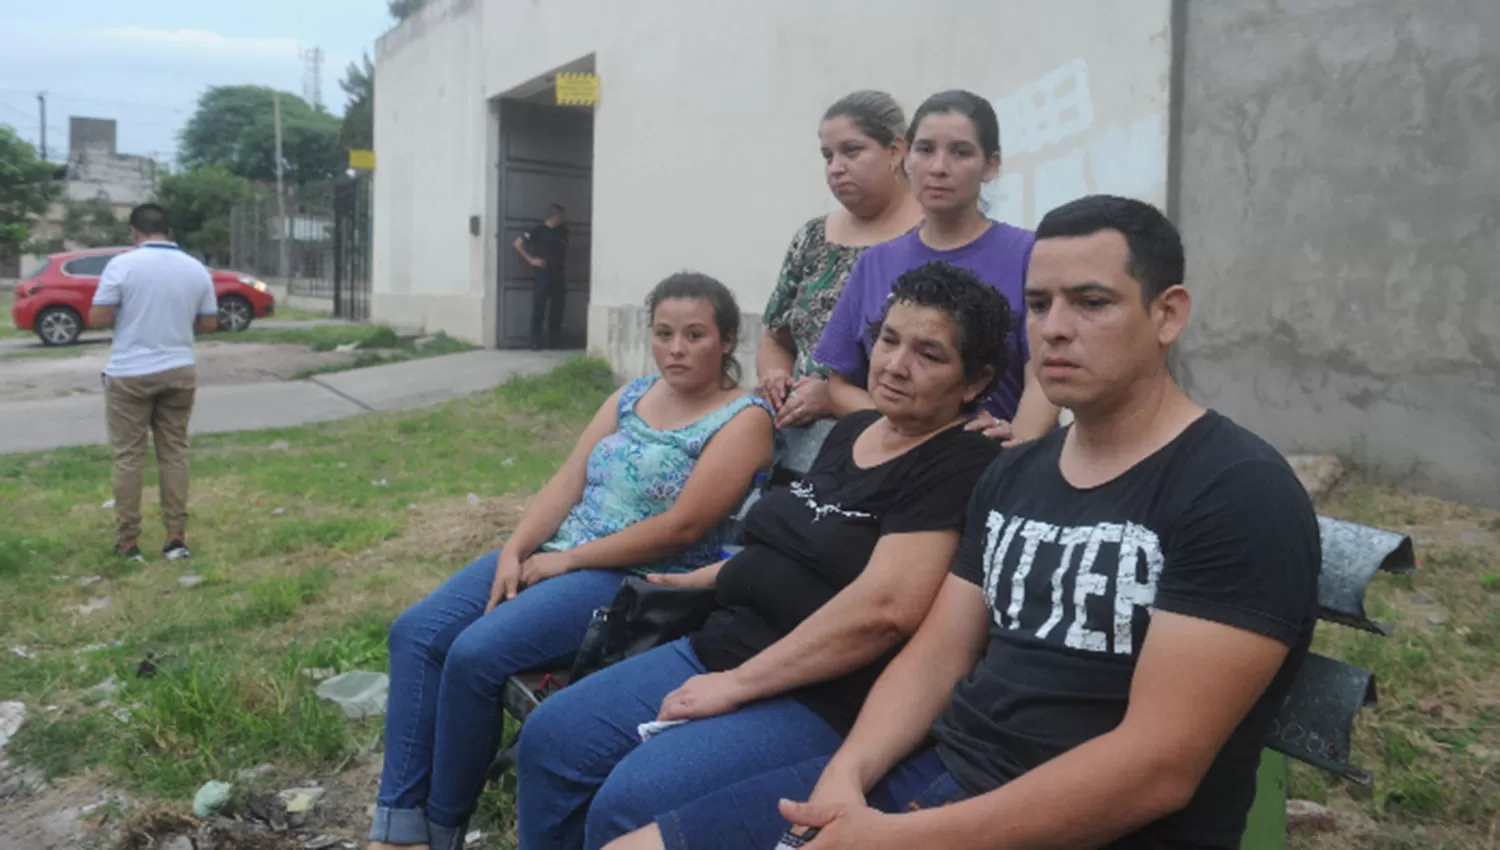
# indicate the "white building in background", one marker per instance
pixel 702 152
pixel 96 169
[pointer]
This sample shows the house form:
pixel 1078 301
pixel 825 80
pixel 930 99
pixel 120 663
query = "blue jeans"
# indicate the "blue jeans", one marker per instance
pixel 745 816
pixel 584 778
pixel 449 663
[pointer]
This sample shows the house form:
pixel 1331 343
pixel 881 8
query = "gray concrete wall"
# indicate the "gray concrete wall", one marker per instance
pixel 1339 174
pixel 621 334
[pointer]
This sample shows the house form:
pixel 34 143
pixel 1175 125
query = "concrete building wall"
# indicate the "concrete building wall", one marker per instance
pixel 434 168
pixel 126 181
pixel 1339 169
pixel 705 138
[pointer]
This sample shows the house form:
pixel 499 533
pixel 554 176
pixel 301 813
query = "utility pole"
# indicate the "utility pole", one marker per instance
pixel 41 99
pixel 286 227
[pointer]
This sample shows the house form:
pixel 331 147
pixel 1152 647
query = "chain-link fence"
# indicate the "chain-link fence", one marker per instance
pixel 255 238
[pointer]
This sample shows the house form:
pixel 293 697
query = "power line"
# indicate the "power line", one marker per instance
pixel 101 100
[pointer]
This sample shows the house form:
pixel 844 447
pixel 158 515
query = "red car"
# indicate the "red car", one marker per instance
pixel 53 301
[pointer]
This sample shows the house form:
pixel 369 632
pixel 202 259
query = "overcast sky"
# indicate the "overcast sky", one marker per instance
pixel 145 62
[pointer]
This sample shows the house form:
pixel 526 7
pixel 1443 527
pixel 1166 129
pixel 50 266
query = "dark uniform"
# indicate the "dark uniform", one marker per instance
pixel 549 244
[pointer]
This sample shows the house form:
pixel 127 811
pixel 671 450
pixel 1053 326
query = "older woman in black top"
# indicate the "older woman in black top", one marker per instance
pixel 838 571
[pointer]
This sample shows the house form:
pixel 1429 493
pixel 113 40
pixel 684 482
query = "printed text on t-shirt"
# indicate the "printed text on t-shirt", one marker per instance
pixel 1040 578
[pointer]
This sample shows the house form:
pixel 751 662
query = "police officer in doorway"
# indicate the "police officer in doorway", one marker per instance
pixel 544 247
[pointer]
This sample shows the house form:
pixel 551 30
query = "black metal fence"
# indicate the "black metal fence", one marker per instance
pixel 351 250
pixel 327 236
pixel 257 232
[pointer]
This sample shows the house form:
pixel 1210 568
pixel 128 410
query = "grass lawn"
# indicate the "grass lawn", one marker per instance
pixel 1433 742
pixel 376 344
pixel 297 314
pixel 308 552
pixel 7 329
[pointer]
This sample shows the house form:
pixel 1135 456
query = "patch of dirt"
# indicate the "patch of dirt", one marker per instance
pixel 76 814
pixel 82 815
pixel 32 378
pixel 457 529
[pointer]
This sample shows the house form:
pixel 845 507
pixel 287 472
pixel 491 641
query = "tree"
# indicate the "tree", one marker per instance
pixel 403 9
pixel 27 187
pixel 235 128
pixel 199 202
pixel 93 224
pixel 359 111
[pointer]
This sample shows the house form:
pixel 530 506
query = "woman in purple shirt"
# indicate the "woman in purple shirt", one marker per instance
pixel 954 149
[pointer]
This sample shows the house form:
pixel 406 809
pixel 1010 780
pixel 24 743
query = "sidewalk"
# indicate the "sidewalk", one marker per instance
pixel 29 342
pixel 27 426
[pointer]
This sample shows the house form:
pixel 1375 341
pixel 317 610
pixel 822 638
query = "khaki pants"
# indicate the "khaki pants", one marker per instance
pixel 159 405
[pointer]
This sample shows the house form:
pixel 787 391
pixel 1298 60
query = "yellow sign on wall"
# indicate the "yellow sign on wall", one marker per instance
pixel 577 89
pixel 362 160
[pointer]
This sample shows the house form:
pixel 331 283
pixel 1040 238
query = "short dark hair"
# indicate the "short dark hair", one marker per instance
pixel 1156 258
pixel 555 209
pixel 696 286
pixel 965 103
pixel 875 113
pixel 150 220
pixel 986 326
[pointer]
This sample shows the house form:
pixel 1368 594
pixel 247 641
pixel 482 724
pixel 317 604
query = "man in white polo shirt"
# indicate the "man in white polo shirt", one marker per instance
pixel 155 297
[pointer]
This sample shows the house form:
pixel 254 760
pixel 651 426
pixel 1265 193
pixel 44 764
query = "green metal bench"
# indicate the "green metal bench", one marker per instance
pixel 1316 720
pixel 1313 726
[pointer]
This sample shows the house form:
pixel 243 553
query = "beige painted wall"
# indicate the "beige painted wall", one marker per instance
pixel 705 138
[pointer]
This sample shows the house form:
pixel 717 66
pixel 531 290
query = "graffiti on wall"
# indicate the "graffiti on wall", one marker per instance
pixel 1056 151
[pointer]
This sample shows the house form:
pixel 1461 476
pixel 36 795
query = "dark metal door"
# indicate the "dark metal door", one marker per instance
pixel 546 157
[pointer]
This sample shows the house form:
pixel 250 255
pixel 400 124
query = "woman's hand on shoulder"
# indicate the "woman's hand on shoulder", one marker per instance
pixel 994 428
pixel 808 402
pixel 773 387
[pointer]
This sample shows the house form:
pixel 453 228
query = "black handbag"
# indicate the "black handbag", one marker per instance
pixel 642 616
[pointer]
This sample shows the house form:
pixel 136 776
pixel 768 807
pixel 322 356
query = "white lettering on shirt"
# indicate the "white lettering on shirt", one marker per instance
pixel 1069 539
pixel 1035 534
pixel 804 491
pixel 1120 562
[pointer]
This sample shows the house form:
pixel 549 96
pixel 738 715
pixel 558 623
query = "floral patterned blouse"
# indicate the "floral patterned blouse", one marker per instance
pixel 637 473
pixel 812 276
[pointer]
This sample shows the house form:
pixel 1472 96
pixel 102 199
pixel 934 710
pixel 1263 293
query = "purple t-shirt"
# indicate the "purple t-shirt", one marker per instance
pixel 999 258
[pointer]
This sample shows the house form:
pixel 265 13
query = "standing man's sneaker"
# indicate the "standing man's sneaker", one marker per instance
pixel 176 551
pixel 130 553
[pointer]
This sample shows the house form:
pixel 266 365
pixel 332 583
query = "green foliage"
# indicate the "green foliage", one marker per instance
pixel 27 188
pixel 199 201
pixel 358 132
pixel 93 224
pixel 235 128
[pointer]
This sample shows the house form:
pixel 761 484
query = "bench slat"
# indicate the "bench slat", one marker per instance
pixel 1352 554
pixel 1318 715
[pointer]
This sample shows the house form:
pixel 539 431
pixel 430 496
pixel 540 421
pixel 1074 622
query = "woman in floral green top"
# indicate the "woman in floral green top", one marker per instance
pixel 864 148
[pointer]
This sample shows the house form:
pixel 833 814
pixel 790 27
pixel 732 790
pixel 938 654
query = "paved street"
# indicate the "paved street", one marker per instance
pixel 79 420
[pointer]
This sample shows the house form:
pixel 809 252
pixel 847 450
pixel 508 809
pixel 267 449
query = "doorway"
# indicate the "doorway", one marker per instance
pixel 546 157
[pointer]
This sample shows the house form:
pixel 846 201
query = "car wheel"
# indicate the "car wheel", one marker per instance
pixel 59 326
pixel 235 313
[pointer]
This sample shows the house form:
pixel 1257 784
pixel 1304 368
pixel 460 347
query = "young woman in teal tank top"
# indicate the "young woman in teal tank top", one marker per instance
pixel 648 488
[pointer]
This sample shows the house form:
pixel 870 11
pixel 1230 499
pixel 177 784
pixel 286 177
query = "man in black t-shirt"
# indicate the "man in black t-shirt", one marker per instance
pixel 1132 598
pixel 545 248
